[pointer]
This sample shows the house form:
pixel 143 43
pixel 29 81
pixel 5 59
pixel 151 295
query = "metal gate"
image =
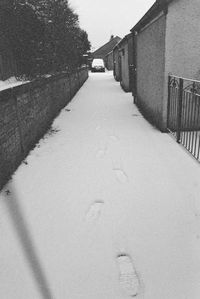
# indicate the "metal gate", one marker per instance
pixel 183 119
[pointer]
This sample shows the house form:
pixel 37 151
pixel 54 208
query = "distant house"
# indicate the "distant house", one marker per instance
pixel 167 41
pixel 123 62
pixel 7 61
pixel 106 49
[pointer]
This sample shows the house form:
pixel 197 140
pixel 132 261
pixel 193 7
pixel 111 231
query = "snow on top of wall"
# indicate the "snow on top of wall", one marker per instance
pixel 11 82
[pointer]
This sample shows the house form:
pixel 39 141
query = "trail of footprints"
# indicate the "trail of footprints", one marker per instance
pixel 120 174
pixel 128 277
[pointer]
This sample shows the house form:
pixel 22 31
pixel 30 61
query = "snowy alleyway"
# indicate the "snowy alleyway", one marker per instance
pixel 105 207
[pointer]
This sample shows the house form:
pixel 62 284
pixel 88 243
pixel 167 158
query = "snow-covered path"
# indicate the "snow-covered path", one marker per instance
pixel 105 207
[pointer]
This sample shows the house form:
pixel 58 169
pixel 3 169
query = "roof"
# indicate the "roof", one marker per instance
pixel 156 8
pixel 126 38
pixel 109 53
pixel 107 48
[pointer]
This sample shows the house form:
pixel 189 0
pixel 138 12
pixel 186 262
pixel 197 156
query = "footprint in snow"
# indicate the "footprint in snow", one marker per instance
pixel 114 138
pixel 128 278
pixel 94 211
pixel 102 152
pixel 121 176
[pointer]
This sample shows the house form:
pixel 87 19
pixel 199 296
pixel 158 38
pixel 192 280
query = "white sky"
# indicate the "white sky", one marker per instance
pixel 101 18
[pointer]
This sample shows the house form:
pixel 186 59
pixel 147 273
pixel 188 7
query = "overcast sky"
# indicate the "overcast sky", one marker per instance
pixel 101 18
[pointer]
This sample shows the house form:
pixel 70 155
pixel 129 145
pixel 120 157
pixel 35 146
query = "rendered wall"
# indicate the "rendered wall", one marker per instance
pixel 26 113
pixel 116 70
pixel 125 67
pixel 109 61
pixel 150 62
pixel 182 42
pixel 131 62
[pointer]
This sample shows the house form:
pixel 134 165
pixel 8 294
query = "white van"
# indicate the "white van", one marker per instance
pixel 98 65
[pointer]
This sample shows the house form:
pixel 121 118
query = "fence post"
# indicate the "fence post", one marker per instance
pixel 179 110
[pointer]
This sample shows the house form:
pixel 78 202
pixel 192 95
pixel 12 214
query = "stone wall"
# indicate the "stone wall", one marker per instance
pixel 26 113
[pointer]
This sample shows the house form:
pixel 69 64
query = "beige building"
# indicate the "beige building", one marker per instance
pixel 166 42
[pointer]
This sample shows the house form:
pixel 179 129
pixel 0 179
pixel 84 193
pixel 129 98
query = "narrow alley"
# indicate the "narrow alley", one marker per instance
pixel 105 207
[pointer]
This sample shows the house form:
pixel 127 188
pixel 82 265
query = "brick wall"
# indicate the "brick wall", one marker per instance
pixel 26 113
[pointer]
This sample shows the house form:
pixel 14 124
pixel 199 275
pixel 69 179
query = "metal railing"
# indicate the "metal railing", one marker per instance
pixel 183 119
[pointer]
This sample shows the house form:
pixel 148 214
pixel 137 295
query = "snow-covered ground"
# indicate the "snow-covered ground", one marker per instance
pixel 105 207
pixel 11 82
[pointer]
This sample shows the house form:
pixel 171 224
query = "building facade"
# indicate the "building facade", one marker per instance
pixel 109 61
pixel 166 42
pixel 123 62
pixel 116 64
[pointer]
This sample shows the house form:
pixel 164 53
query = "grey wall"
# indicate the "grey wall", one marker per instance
pixel 125 66
pixel 150 70
pixel 26 113
pixel 116 64
pixel 182 42
pixel 109 61
pixel 182 39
